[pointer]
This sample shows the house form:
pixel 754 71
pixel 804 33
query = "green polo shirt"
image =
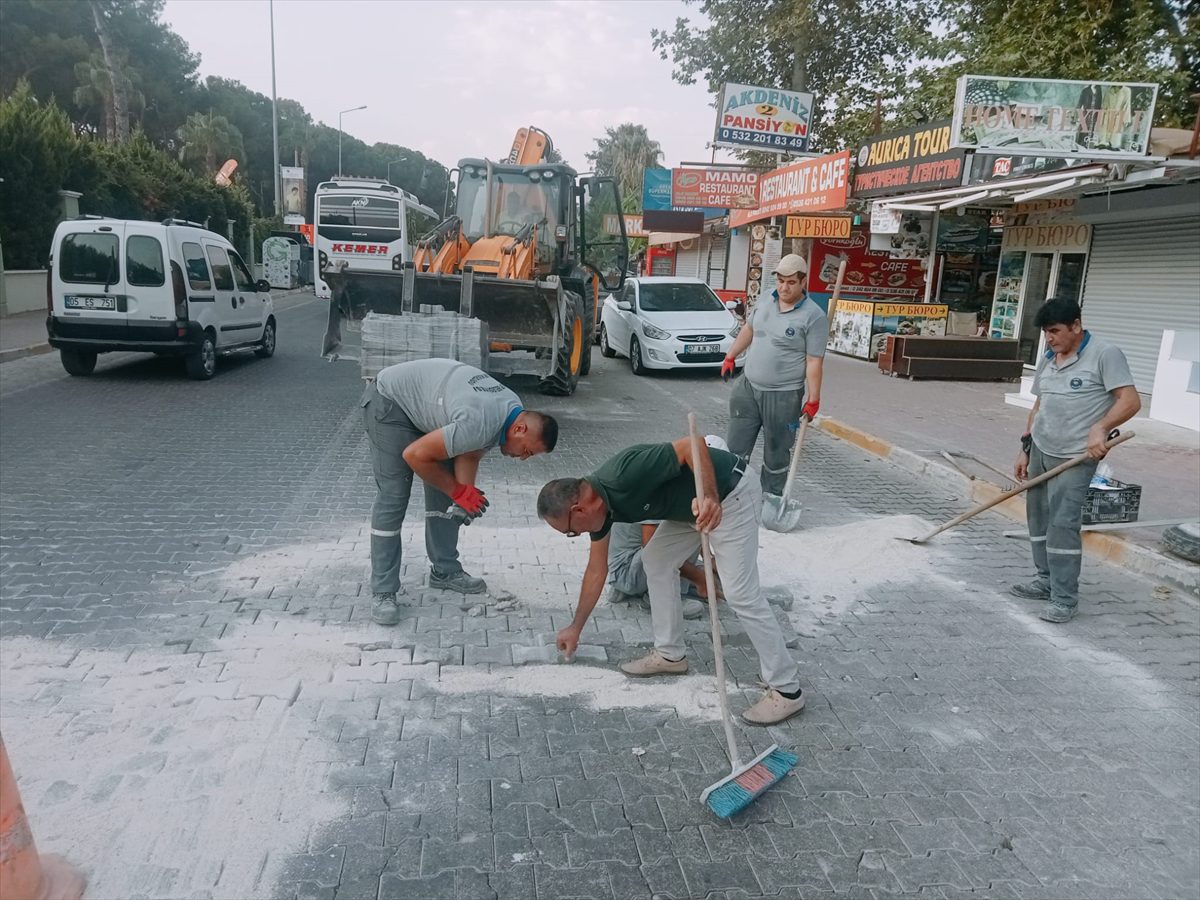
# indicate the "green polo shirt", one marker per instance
pixel 646 481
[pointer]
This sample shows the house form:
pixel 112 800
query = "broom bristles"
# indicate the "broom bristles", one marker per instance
pixel 737 792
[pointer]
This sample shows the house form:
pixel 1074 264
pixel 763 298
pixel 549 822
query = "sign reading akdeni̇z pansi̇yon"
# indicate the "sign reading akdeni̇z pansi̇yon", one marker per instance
pixel 763 118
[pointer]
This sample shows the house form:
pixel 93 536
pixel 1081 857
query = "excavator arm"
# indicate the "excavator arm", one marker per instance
pixel 529 147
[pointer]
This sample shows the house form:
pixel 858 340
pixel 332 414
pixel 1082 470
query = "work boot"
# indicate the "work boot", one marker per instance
pixel 773 708
pixel 386 609
pixel 1057 613
pixel 459 581
pixel 1038 589
pixel 693 609
pixel 654 663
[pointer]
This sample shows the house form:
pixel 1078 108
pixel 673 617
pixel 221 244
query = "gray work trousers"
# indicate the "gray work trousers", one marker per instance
pixel 734 543
pixel 390 431
pixel 774 413
pixel 1054 511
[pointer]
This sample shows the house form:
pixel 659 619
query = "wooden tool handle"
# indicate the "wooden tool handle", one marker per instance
pixel 710 585
pixel 1021 488
pixel 795 464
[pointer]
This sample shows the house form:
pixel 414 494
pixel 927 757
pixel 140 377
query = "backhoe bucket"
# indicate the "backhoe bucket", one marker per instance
pixel 533 326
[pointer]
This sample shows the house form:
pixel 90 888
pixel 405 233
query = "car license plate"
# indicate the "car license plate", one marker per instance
pixel 702 348
pixel 72 301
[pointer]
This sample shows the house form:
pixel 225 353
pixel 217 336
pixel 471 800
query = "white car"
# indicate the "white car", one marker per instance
pixel 667 323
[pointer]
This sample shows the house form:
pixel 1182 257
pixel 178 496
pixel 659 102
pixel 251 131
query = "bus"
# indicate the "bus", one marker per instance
pixel 370 225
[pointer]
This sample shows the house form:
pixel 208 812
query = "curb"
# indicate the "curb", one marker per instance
pixel 1101 546
pixel 21 352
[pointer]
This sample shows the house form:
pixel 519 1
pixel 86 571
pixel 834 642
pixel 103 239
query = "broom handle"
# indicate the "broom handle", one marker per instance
pixel 1021 488
pixel 710 584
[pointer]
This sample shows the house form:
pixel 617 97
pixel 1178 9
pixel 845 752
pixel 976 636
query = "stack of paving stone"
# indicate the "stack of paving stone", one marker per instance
pixel 430 332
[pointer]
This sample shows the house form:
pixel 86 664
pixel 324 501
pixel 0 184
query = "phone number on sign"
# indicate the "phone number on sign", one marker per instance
pixel 787 142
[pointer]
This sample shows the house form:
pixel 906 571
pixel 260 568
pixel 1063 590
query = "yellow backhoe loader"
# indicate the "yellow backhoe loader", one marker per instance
pixel 528 249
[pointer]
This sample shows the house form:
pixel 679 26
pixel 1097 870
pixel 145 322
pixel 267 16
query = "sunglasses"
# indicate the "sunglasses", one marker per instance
pixel 571 532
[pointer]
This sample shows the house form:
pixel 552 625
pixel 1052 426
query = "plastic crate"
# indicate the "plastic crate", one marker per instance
pixel 1113 505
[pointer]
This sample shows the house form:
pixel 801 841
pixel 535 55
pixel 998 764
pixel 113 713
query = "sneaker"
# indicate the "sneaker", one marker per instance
pixel 386 609
pixel 459 581
pixel 773 708
pixel 654 663
pixel 693 609
pixel 1031 590
pixel 1056 612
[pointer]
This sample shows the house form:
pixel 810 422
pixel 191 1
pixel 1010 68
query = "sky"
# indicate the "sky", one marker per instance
pixel 456 80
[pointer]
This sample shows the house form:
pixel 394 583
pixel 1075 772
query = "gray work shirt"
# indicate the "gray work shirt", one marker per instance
pixel 1075 394
pixel 471 407
pixel 783 342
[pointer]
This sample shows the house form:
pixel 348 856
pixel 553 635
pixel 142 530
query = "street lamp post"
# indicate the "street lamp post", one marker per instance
pixel 342 113
pixel 274 117
pixel 390 164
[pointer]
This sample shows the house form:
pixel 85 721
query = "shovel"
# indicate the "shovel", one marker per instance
pixel 780 513
pixel 1113 439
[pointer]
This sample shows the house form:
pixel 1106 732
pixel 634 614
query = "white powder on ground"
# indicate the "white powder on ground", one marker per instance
pixel 159 777
pixel 692 696
pixel 836 565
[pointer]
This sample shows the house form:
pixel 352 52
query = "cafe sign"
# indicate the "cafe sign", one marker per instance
pixel 818 227
pixel 812 185
pixel 763 118
pixel 918 158
pixel 1041 117
pixel 714 187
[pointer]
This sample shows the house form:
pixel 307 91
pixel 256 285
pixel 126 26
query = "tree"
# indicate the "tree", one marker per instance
pixel 118 95
pixel 1155 41
pixel 622 154
pixel 844 53
pixel 207 141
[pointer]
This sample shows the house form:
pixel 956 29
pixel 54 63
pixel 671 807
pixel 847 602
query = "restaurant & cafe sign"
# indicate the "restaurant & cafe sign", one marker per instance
pixel 714 187
pixel 811 185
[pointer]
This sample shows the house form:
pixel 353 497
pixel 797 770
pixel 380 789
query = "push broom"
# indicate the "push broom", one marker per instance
pixel 746 783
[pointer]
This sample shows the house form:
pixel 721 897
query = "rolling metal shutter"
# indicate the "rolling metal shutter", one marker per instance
pixel 687 260
pixel 718 249
pixel 1143 278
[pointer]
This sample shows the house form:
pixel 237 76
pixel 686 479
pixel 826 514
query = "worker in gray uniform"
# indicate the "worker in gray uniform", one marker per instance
pixel 436 418
pixel 784 341
pixel 1084 390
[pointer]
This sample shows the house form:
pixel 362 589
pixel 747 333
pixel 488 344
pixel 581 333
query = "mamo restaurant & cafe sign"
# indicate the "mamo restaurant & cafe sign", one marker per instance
pixel 1037 117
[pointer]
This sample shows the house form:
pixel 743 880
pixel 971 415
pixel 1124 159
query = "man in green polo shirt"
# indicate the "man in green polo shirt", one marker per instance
pixel 655 481
pixel 1084 390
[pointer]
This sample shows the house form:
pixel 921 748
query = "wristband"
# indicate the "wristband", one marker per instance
pixel 1026 443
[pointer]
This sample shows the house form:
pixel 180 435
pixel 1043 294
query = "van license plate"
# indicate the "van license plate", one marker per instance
pixel 72 301
pixel 701 348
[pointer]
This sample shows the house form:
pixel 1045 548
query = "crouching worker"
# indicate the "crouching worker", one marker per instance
pixel 654 481
pixel 436 418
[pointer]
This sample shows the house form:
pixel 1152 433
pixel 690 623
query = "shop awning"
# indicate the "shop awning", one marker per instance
pixel 1002 193
pixel 669 237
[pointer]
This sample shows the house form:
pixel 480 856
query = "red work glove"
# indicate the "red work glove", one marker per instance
pixel 810 409
pixel 727 368
pixel 470 498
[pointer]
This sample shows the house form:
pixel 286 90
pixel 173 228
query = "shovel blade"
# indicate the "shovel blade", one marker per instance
pixel 779 514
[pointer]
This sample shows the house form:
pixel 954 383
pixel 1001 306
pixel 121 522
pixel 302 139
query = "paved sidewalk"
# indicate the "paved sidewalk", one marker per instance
pixel 24 334
pixel 926 417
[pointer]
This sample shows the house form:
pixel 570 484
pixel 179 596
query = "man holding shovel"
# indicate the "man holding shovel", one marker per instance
pixel 784 341
pixel 1084 390
pixel 655 481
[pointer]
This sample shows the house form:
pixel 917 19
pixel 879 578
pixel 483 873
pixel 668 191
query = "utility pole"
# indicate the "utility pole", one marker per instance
pixel 274 114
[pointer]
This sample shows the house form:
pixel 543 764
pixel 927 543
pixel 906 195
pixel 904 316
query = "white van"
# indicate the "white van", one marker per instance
pixel 173 288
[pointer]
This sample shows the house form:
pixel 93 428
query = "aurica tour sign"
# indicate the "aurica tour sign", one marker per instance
pixel 763 118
